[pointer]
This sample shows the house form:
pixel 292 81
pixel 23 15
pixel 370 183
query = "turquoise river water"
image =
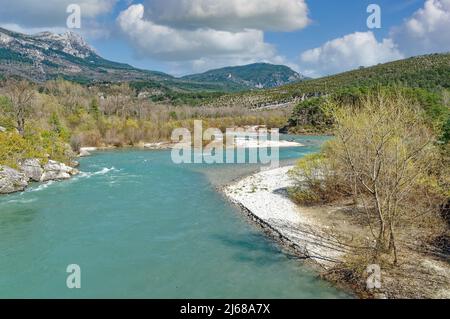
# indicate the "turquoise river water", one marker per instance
pixel 140 226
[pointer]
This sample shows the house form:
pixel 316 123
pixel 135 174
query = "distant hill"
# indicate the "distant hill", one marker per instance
pixel 46 56
pixel 258 75
pixel 430 72
pixel 427 71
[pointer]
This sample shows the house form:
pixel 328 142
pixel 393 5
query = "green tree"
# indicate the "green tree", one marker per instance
pixel 94 108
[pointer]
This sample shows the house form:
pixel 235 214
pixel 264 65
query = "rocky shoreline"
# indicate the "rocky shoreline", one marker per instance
pixel 33 170
pixel 263 196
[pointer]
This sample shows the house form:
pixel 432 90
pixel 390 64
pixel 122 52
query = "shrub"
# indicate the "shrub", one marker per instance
pixel 311 115
pixel 13 148
pixel 52 145
pixel 316 181
pixel 76 143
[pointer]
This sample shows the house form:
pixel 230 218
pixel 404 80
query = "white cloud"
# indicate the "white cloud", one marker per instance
pixel 349 52
pixel 427 31
pixel 232 15
pixel 175 44
pixel 49 13
pixel 197 48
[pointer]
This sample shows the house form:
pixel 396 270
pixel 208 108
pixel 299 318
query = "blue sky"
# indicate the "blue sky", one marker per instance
pixel 314 37
pixel 333 19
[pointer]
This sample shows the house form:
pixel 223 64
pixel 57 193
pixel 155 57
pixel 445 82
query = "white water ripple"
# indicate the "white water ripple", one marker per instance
pixel 103 171
pixel 42 186
pixel 81 175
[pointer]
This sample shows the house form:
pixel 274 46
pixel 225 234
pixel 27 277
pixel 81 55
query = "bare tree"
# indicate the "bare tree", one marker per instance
pixel 385 151
pixel 21 94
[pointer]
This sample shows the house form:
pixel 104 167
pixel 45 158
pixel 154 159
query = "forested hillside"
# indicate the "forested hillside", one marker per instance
pixel 431 72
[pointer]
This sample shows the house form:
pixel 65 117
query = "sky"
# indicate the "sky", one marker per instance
pixel 313 37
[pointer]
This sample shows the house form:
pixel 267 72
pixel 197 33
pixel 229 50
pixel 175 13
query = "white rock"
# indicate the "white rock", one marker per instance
pixel 152 145
pixel 2 129
pixel 157 146
pixel 74 164
pixel 11 180
pixel 57 171
pixel 84 153
pixel 32 169
pixel 5 39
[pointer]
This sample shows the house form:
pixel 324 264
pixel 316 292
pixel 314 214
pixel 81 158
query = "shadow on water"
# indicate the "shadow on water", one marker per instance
pixel 16 216
pixel 253 248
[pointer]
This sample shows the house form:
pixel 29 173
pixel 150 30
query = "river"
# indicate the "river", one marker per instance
pixel 140 226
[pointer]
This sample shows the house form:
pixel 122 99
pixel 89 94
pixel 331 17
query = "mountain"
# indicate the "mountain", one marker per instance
pixel 46 56
pixel 258 75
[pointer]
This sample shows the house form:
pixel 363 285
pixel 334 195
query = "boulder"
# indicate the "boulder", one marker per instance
pixel 74 164
pixel 157 146
pixel 32 169
pixel 2 129
pixel 84 153
pixel 11 180
pixel 57 171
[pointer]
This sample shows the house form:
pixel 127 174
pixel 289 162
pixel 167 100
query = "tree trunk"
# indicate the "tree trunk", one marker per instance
pixel 382 231
pixel 20 124
pixel 392 244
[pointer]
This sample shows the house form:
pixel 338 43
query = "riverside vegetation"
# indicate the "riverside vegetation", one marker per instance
pixel 41 120
pixel 388 170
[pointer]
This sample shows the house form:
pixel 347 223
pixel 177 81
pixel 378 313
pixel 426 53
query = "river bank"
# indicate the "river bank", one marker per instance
pixel 264 195
pixel 318 234
pixel 14 180
pixel 164 145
